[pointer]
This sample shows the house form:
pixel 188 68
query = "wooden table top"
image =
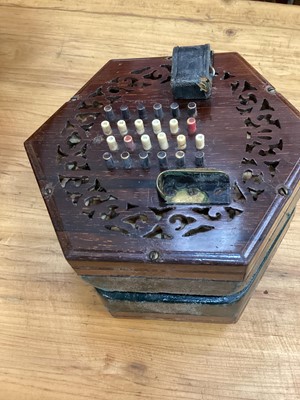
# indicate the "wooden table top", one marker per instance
pixel 57 341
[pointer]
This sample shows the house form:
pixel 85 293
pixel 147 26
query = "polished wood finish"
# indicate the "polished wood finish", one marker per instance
pixel 118 216
pixel 57 341
pixel 112 219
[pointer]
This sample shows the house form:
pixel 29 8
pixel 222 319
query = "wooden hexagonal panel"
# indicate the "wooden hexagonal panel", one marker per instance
pixel 114 226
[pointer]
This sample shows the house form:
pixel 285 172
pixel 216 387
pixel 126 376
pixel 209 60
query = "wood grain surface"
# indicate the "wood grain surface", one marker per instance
pixel 57 341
